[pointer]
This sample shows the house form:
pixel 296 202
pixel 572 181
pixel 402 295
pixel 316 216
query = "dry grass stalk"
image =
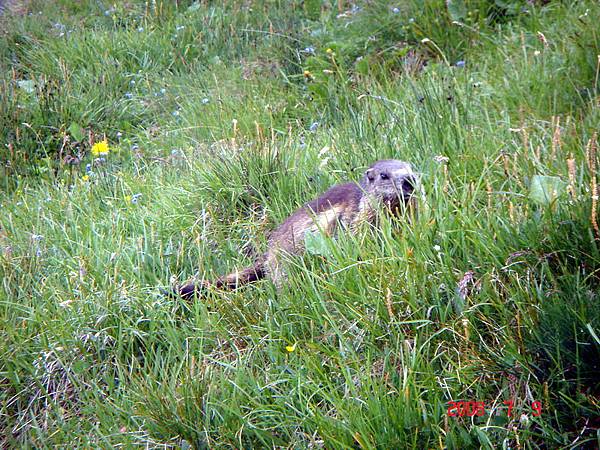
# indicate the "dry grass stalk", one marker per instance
pixel 505 164
pixel 446 179
pixel 388 303
pixel 515 169
pixel 259 133
pixel 524 133
pixel 572 176
pixel 591 159
pixel 525 137
pixel 234 124
pixel 556 141
pixel 466 332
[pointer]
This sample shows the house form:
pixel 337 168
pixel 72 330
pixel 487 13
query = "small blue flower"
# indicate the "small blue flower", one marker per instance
pixel 88 168
pixel 132 83
pixel 460 64
pixel 119 135
pixel 175 113
pixel 309 50
pixel 205 100
pixel 135 147
pixel 140 29
pixel 313 127
pixel 163 91
pixel 174 151
pixel 135 198
pixel 180 27
pixel 396 10
pixel 128 95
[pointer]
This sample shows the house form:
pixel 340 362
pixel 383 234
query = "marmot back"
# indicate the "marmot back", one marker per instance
pixel 387 185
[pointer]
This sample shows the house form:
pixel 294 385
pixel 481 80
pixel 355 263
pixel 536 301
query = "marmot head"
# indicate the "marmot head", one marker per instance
pixel 390 180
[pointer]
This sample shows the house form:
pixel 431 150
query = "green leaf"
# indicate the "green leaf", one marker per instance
pixel 76 131
pixel 316 244
pixel 314 64
pixel 592 332
pixel 336 46
pixel 362 66
pixel 401 52
pixel 80 366
pixel 511 7
pixel 545 189
pixel 313 9
pixel 318 90
pixel 456 9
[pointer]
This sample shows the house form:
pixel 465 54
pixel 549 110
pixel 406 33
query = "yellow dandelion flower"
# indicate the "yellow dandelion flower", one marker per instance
pixel 100 148
pixel 307 74
pixel 329 51
pixel 290 348
pixel 128 198
pixel 85 178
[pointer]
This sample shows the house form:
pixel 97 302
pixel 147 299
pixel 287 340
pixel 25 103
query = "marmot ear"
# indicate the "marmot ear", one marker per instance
pixel 370 174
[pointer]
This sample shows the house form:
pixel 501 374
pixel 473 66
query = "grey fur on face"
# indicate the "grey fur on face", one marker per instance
pixel 392 181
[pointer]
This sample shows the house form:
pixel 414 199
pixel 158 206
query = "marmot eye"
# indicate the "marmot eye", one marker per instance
pixel 384 176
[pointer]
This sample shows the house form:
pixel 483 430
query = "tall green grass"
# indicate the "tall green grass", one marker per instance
pixel 486 295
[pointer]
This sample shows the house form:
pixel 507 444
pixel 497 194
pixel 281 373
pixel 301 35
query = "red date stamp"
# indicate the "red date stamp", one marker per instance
pixel 472 409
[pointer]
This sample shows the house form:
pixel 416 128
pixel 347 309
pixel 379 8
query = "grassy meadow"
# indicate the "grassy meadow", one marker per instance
pixel 221 119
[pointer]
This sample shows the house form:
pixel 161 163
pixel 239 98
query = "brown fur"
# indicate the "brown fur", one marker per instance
pixel 345 205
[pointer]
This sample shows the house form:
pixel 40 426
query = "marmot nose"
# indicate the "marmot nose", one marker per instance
pixel 408 184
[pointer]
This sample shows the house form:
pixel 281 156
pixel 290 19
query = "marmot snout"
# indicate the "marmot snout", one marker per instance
pixel 387 185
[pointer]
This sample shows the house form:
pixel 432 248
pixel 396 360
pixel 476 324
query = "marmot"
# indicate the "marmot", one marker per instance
pixel 387 184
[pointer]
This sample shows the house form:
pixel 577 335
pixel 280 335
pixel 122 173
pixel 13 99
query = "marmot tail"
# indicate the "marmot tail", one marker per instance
pixel 231 281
